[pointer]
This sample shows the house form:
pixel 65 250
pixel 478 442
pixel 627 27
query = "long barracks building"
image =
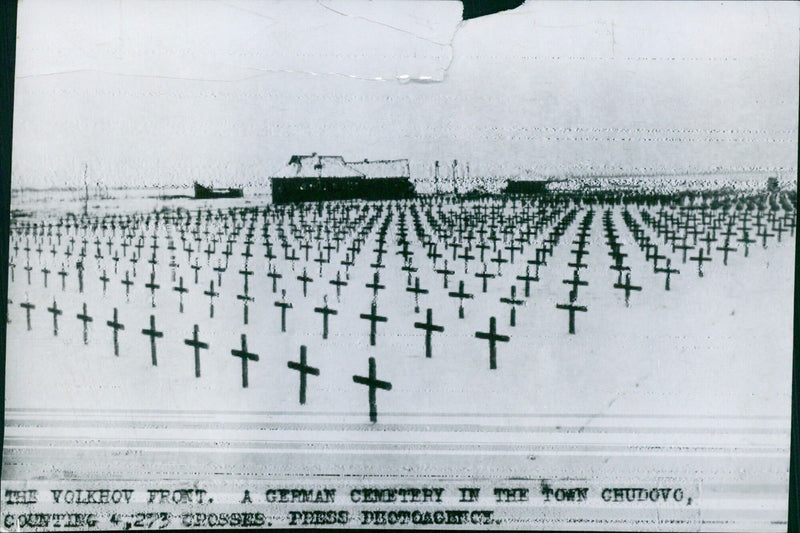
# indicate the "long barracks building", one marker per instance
pixel 311 178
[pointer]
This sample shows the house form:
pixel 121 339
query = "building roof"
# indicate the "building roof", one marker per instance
pixel 397 168
pixel 334 166
pixel 317 166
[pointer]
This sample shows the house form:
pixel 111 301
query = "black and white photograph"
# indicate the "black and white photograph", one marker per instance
pixel 401 264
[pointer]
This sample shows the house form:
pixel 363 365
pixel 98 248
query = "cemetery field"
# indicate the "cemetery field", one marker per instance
pixel 597 337
pixel 103 308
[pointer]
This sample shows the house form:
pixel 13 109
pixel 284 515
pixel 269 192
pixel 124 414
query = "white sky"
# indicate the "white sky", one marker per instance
pixel 164 92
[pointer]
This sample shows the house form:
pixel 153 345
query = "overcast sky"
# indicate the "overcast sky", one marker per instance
pixel 168 91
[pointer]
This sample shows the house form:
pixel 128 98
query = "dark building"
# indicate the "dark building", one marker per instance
pixel 310 178
pixel 205 193
pixel 526 187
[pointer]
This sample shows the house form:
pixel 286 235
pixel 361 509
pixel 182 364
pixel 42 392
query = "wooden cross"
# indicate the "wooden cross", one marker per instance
pixel 195 343
pixel 116 326
pixel 493 337
pixel 627 287
pixel 484 277
pixel 85 318
pixel 375 285
pixel 725 249
pixel 211 294
pixel 180 289
pixel 246 274
pixel 338 283
pixel 527 278
pixel 127 282
pixel 417 291
pixel 700 258
pixel 513 301
pixel 304 370
pixel 245 299
pixel 373 318
pixel 152 285
pixel 429 328
pixel 27 306
pixel 45 271
pixel 461 295
pixel 325 311
pixel 373 383
pixel 284 305
pixel 56 311
pixel 668 271
pixel 445 273
pixel 153 334
pixel 576 282
pixel 245 356
pixel 275 275
pixel 196 267
pixel 572 308
pixel 305 279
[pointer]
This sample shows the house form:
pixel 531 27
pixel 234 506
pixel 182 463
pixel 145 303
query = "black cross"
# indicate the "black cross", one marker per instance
pixel 445 273
pixel 725 249
pixel 180 289
pixel 246 273
pixel 484 276
pixel 27 306
pixel 493 337
pixel 373 318
pixel 127 282
pixel 429 328
pixel 513 301
pixel 197 345
pixel 700 258
pixel 153 334
pixel 211 294
pixel 627 287
pixel 245 356
pixel 373 385
pixel 304 369
pixel 56 311
pixel 375 285
pixel 572 308
pixel 305 279
pixel 45 271
pixel 196 269
pixel 274 274
pixel 116 326
pixel 338 283
pixel 668 271
pixel 245 299
pixel 85 318
pixel 417 291
pixel 284 305
pixel 460 294
pixel 527 278
pixel 152 285
pixel 576 282
pixel 325 311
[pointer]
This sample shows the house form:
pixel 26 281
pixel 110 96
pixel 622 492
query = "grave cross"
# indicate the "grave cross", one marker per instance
pixel 27 306
pixel 576 282
pixel 116 326
pixel 527 278
pixel 152 285
pixel 85 318
pixel 195 343
pixel 45 271
pixel 627 287
pixel 485 276
pixel 325 311
pixel 245 298
pixel 304 370
pixel 56 311
pixel 668 271
pixel 339 284
pixel 429 328
pixel 373 318
pixel 513 301
pixel 700 258
pixel 306 279
pixel 373 383
pixel 417 291
pixel 245 356
pixel 461 295
pixel 572 308
pixel 284 305
pixel 180 289
pixel 445 273
pixel 375 285
pixel 211 294
pixel 493 337
pixel 153 334
pixel 725 249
